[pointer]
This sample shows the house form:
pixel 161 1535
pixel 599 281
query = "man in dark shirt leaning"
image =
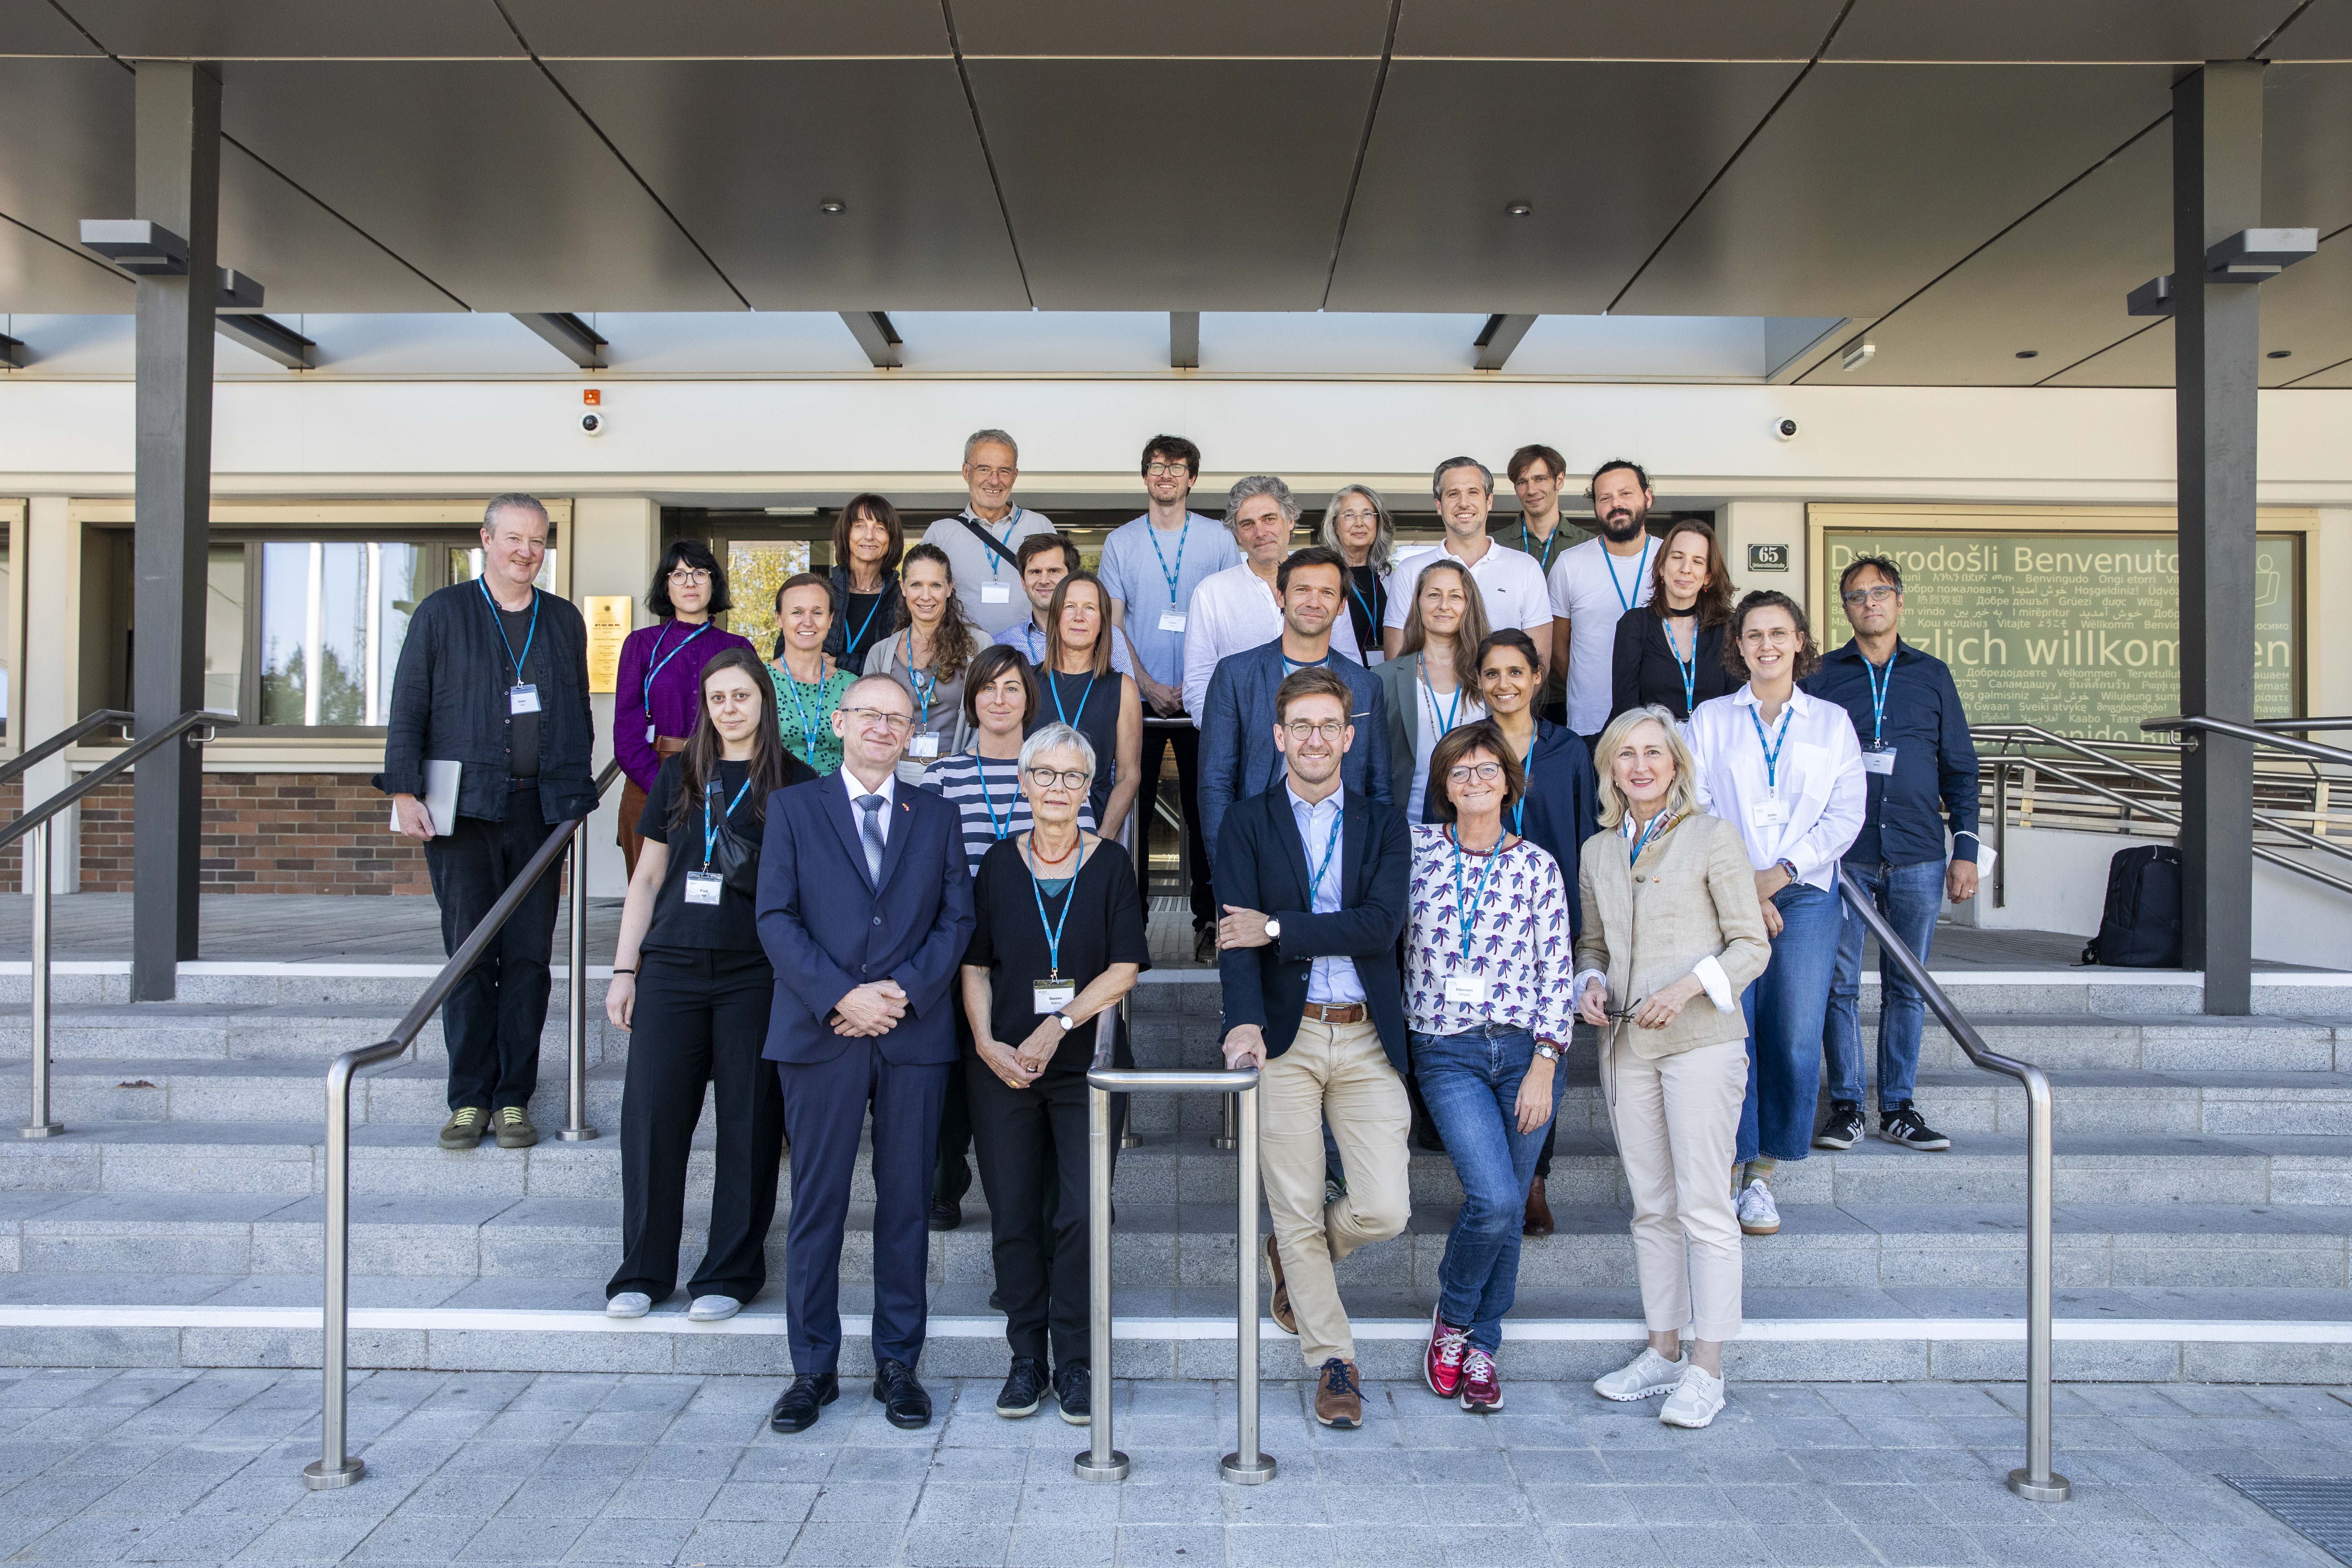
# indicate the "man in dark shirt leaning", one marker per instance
pixel 493 677
pixel 1919 767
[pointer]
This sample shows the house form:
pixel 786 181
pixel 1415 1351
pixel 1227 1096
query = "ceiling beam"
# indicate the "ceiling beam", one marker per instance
pixel 568 335
pixel 875 335
pixel 1184 340
pixel 1501 338
pixel 266 336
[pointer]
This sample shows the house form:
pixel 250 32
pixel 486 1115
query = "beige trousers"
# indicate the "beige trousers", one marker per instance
pixel 1337 1071
pixel 1676 1118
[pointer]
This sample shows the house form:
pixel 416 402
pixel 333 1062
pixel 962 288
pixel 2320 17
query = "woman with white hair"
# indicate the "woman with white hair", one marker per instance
pixel 1058 938
pixel 1672 934
pixel 1358 525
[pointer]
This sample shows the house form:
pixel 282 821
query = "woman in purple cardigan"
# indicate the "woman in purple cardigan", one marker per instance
pixel 656 698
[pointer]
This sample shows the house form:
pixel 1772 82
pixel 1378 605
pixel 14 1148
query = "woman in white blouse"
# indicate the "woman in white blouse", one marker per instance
pixel 1486 1014
pixel 1783 767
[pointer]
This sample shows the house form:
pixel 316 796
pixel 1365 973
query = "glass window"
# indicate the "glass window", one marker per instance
pixel 6 641
pixel 333 615
pixel 225 629
pixel 756 568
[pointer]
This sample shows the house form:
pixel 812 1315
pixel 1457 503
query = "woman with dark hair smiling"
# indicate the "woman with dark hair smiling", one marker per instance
pixel 1077 687
pixel 656 701
pixel 807 682
pixel 928 652
pixel 1669 651
pixel 1432 685
pixel 867 543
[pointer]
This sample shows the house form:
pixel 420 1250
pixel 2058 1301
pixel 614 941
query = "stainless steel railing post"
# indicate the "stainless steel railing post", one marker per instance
pixel 336 1468
pixel 36 880
pixel 1229 1131
pixel 1100 1462
pixel 2037 1481
pixel 1245 1466
pixel 575 1055
pixel 1126 1133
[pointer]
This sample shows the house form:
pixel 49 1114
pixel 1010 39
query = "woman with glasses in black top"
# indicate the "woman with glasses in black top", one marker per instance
pixel 692 986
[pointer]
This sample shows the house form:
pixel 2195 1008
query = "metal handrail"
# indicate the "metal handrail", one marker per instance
pixel 2303 726
pixel 2036 1481
pixel 33 823
pixel 2259 737
pixel 335 1467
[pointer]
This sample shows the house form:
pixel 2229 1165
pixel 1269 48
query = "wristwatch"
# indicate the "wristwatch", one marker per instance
pixel 1790 868
pixel 1273 928
pixel 1068 1023
pixel 1547 1050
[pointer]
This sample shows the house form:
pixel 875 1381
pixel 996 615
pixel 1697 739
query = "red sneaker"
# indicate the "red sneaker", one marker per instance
pixel 1443 1365
pixel 1482 1387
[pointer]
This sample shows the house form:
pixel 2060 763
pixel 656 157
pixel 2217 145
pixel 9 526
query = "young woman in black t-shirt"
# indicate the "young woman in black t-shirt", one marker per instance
pixel 692 986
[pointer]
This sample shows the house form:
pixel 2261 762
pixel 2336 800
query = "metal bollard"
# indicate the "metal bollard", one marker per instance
pixel 575 1096
pixel 37 878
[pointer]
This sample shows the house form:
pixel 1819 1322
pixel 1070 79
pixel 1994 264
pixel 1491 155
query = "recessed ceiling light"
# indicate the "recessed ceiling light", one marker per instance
pixel 832 207
pixel 2281 353
pixel 1519 209
pixel 2028 353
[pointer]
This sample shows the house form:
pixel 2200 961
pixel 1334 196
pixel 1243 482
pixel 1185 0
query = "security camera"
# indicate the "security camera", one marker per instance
pixel 1784 429
pixel 592 423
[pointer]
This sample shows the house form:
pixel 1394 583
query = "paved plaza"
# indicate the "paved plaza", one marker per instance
pixel 202 1467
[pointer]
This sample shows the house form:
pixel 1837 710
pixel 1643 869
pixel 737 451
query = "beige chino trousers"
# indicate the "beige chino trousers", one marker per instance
pixel 1677 1120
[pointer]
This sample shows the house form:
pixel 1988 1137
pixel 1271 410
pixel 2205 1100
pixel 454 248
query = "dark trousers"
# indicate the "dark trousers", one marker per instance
pixel 951 1174
pixel 1187 741
pixel 1031 1147
pixel 824 1112
pixel 700 1018
pixel 493 1018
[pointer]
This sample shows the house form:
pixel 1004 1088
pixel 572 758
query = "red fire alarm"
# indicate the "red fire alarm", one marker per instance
pixel 590 396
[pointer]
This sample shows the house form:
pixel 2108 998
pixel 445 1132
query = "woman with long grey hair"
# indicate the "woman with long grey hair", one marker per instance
pixel 1358 525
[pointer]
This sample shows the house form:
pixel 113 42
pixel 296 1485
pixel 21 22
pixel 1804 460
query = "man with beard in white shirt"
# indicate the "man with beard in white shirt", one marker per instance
pixel 1510 584
pixel 1596 583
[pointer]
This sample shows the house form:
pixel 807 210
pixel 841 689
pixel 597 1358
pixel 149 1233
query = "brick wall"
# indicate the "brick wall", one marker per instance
pixel 267 833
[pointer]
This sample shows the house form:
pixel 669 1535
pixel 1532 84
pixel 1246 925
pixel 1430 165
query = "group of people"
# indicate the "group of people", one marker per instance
pixel 1440 807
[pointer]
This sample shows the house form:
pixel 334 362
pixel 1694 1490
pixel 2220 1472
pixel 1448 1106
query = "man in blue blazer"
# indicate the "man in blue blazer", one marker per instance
pixel 864 909
pixel 1238 755
pixel 1314 879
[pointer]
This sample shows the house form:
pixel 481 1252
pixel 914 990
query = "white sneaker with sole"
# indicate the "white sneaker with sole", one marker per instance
pixel 1646 1375
pixel 629 1304
pixel 713 1309
pixel 1697 1400
pixel 1758 1216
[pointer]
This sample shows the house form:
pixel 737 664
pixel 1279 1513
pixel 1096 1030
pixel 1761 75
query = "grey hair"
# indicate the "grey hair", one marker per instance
pixel 1438 477
pixel 1055 738
pixel 979 438
pixel 852 689
pixel 1326 532
pixel 1255 486
pixel 1682 795
pixel 513 500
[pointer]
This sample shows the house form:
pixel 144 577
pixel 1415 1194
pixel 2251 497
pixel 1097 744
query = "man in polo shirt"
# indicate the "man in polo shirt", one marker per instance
pixel 1045 559
pixel 1595 583
pixel 1537 472
pixel 983 541
pixel 1920 768
pixel 1510 583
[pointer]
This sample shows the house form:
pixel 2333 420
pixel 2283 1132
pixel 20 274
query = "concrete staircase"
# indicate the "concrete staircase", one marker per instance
pixel 2204 1184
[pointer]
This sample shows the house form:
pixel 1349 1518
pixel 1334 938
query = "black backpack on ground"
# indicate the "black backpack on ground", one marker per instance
pixel 2140 928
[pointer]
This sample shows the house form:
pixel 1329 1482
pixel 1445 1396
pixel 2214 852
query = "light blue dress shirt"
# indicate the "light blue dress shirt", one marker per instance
pixel 1332 983
pixel 1137 577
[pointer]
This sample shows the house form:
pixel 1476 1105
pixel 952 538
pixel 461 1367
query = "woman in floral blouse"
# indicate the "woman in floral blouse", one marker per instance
pixel 1487 964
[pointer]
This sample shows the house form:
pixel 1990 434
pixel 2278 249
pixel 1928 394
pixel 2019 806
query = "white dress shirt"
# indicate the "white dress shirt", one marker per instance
pixel 1234 610
pixel 1332 981
pixel 1818 780
pixel 889 791
pixel 1511 588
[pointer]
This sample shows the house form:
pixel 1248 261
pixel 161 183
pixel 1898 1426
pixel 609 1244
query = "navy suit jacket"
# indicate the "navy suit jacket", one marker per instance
pixel 1237 755
pixel 1262 866
pixel 828 929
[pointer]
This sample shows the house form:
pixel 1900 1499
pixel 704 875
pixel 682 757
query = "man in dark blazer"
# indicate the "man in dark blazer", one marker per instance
pixel 1238 755
pixel 1314 879
pixel 864 909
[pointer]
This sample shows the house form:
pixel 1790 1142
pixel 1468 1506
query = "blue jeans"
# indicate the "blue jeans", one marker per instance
pixel 1470 1083
pixel 1910 897
pixel 1784 1009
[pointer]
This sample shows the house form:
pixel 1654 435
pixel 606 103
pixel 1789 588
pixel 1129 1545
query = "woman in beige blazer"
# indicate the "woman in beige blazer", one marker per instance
pixel 1672 934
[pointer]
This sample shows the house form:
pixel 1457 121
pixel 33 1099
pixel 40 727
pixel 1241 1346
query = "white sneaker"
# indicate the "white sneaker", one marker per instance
pixel 713 1309
pixel 1697 1400
pixel 1646 1375
pixel 1758 1216
pixel 629 1304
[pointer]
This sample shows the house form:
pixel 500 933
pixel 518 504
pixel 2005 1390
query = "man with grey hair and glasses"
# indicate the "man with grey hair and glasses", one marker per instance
pixel 983 541
pixel 1239 607
pixel 493 683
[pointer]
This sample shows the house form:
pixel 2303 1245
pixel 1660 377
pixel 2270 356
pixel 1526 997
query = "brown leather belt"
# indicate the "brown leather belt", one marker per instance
pixel 668 745
pixel 1327 1013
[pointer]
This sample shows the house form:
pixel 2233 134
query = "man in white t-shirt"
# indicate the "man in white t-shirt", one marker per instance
pixel 1595 583
pixel 1510 584
pixel 983 541
pixel 1238 608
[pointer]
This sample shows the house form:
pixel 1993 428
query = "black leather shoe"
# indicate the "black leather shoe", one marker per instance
pixel 796 1409
pixel 905 1404
pixel 1074 1392
pixel 1025 1387
pixel 945 1214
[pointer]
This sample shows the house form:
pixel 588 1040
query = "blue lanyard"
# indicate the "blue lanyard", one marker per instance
pixel 1771 748
pixel 1330 852
pixel 926 684
pixel 1371 615
pixel 872 610
pixel 1877 698
pixel 1658 824
pixel 1182 534
pixel 658 664
pixel 1551 544
pixel 1464 906
pixel 710 823
pixel 1069 897
pixel 1011 521
pixel 499 621
pixel 1639 572
pixel 980 767
pixel 1453 709
pixel 808 725
pixel 1527 773
pixel 1053 684
pixel 1689 667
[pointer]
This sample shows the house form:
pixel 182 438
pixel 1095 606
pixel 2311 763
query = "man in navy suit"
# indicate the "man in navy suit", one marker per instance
pixel 864 909
pixel 1314 879
pixel 1239 756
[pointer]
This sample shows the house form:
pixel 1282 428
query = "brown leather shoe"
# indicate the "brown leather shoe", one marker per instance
pixel 1339 1396
pixel 1538 1220
pixel 1278 1304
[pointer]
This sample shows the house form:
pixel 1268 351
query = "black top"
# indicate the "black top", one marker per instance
pixel 844 641
pixel 522 729
pixel 1093 713
pixel 1368 596
pixel 728 925
pixel 1105 927
pixel 1644 669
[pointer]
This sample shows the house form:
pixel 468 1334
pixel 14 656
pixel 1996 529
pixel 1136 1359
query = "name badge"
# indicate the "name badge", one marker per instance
pixel 702 887
pixel 996 593
pixel 522 699
pixel 925 745
pixel 1469 988
pixel 1053 996
pixel 1171 620
pixel 1878 762
pixel 649 734
pixel 1770 812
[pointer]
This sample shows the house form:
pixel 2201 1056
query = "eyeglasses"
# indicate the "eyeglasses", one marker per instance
pixel 1877 596
pixel 1007 474
pixel 1328 730
pixel 866 718
pixel 1356 514
pixel 1046 778
pixel 1773 636
pixel 689 577
pixel 1624 1015
pixel 1166 470
pixel 1485 773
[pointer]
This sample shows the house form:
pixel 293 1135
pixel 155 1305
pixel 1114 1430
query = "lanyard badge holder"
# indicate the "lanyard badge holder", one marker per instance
pixel 705 886
pixel 1172 620
pixel 1771 811
pixel 808 725
pixel 993 592
pixel 1053 993
pixel 1468 989
pixel 1687 666
pixel 522 696
pixel 647 695
pixel 1878 757
pixel 924 745
pixel 980 772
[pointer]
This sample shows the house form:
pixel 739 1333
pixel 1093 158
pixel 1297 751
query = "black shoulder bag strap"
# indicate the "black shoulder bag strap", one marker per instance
pixel 991 539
